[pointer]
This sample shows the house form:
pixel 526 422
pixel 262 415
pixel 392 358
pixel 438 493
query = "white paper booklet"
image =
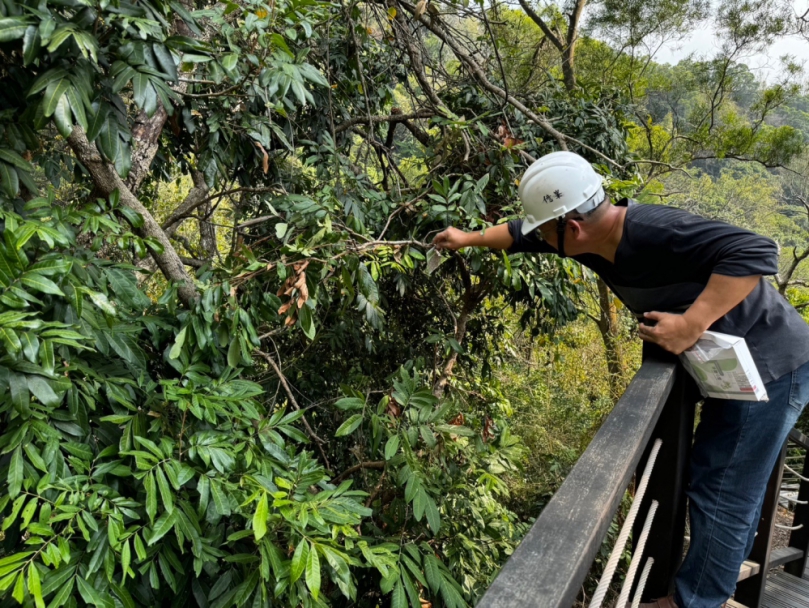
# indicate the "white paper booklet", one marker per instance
pixel 723 368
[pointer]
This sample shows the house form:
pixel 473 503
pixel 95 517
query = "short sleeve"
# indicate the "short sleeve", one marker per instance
pixel 526 243
pixel 717 247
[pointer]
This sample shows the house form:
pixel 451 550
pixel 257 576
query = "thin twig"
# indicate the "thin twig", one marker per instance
pixel 318 441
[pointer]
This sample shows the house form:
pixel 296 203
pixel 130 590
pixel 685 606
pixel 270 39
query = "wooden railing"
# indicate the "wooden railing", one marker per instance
pixel 551 564
pixel 549 567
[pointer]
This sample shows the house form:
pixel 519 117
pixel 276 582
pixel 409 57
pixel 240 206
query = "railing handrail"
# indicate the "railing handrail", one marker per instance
pixel 548 568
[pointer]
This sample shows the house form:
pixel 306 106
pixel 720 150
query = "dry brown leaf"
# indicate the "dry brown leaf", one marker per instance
pixel 265 161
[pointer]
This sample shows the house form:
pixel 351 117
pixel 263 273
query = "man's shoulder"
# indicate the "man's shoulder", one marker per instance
pixel 661 216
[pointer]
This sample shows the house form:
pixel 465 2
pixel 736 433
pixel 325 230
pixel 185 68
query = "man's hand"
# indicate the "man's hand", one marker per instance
pixel 494 237
pixel 451 238
pixel 675 333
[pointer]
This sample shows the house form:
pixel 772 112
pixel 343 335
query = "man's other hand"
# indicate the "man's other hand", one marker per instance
pixel 451 238
pixel 672 332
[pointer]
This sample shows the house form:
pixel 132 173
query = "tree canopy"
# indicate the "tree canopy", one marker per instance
pixel 234 372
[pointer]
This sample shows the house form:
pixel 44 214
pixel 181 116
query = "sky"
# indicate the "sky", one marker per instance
pixel 703 42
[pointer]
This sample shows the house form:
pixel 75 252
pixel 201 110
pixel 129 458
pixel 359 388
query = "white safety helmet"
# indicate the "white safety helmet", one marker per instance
pixel 556 184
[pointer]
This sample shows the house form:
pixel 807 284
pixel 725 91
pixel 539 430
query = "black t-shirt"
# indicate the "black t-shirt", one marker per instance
pixel 664 260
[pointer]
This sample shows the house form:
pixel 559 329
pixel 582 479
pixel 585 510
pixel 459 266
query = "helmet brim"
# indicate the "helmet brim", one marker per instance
pixel 529 226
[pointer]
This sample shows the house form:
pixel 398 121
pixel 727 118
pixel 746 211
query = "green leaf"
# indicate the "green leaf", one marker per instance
pixel 36 281
pixel 432 572
pixel 12 28
pixel 15 473
pixel 391 447
pixel 427 436
pixel 234 352
pixel 20 397
pixel 419 504
pixel 220 502
pixel 63 594
pixel 166 61
pixel 260 518
pixel 100 300
pixel 299 560
pixel 77 107
pixel 12 158
pixel 46 79
pixel 89 594
pixel 306 322
pixel 9 180
pixel 42 390
pixel 53 267
pixel 62 117
pixel 63 33
pixel 229 61
pixel 162 526
pixel 53 93
pixel 151 497
pixel 108 140
pixel 126 558
pixel 19 588
pixel 31 44
pixel 350 403
pixel 433 516
pixel 300 92
pixel 10 339
pixel 97 121
pixel 349 426
pixel 313 573
pixel 46 356
pixel 140 548
pixel 178 344
pixel 30 346
pixel 35 586
pixel 165 491
pixel 398 600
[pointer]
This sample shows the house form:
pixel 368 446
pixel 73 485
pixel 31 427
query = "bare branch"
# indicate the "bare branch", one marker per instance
pixel 375 464
pixel 542 25
pixel 196 197
pixel 184 210
pixel 374 120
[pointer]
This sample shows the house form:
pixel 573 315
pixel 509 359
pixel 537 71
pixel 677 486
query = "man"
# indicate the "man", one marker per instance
pixel 681 275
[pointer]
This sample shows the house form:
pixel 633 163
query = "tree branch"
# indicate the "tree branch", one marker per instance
pixel 195 198
pixel 542 25
pixel 375 464
pixel 379 119
pixel 480 75
pixel 107 180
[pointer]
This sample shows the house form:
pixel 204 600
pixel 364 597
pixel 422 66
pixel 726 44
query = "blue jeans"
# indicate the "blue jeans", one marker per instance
pixel 735 449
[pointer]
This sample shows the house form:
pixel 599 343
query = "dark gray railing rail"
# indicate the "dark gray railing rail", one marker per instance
pixel 548 568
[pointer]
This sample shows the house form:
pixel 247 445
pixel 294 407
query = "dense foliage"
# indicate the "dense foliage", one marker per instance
pixel 234 372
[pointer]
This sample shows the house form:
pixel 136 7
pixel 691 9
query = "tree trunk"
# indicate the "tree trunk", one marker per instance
pixel 608 326
pixel 107 180
pixel 569 52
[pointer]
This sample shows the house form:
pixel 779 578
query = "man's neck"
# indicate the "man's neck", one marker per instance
pixel 606 244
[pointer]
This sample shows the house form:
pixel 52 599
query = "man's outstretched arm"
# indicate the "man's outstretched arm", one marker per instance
pixel 495 237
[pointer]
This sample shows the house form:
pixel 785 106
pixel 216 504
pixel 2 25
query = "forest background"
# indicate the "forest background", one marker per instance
pixel 233 372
